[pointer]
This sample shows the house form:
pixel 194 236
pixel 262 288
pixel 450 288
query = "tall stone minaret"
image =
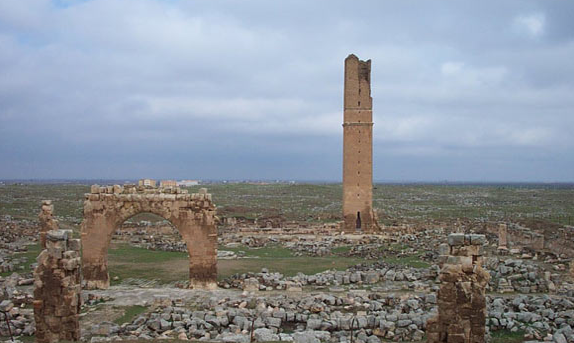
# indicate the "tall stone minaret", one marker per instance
pixel 358 147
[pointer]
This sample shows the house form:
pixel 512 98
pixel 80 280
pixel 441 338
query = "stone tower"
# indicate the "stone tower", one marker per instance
pixel 358 147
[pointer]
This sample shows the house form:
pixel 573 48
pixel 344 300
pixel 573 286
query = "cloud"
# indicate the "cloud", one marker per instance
pixel 256 88
pixel 533 24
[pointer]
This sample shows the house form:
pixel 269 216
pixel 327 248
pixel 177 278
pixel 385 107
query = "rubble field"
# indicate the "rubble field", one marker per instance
pixel 286 277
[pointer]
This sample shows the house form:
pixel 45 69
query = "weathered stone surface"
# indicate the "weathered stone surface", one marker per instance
pixel 461 299
pixel 358 211
pixel 57 290
pixel 192 214
pixel 47 221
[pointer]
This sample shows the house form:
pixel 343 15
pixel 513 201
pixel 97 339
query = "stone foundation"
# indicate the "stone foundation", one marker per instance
pixel 461 299
pixel 47 221
pixel 57 289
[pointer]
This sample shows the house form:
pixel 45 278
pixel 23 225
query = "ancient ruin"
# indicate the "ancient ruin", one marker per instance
pixel 502 239
pixel 47 221
pixel 358 214
pixel 461 299
pixel 57 289
pixel 108 207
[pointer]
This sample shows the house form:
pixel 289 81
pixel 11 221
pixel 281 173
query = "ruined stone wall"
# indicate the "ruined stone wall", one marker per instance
pixel 514 236
pixel 461 314
pixel 358 147
pixel 106 208
pixel 57 288
pixel 562 243
pixel 47 221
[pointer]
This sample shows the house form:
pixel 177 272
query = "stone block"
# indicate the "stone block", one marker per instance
pixel 456 239
pixel 95 189
pixel 477 239
pixel 118 189
pixel 74 244
pixel 57 235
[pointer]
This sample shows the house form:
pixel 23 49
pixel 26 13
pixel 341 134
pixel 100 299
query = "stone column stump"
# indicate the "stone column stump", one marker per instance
pixel 461 298
pixel 57 287
pixel 47 221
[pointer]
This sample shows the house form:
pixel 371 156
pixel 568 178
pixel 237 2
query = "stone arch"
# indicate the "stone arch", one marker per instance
pixel 193 215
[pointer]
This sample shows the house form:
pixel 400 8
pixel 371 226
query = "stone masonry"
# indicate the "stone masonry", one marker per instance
pixel 462 313
pixel 358 212
pixel 57 288
pixel 47 221
pixel 502 238
pixel 106 208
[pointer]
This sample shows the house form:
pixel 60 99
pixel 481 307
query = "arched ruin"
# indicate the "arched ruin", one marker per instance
pixel 106 208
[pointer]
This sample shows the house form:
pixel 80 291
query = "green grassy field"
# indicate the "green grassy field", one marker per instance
pixel 130 262
pixel 505 336
pixel 320 203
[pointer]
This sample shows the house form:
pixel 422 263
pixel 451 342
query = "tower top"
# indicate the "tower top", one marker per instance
pixel 363 67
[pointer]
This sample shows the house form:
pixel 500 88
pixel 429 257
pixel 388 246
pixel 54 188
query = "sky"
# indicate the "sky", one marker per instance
pixel 462 90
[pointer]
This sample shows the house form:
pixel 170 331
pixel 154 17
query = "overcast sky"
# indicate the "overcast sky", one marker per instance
pixel 462 90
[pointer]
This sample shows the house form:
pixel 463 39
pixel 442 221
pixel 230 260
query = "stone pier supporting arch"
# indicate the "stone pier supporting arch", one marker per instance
pixel 106 208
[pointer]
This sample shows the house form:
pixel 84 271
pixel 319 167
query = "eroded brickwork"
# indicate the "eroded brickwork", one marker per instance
pixel 57 289
pixel 461 314
pixel 358 147
pixel 106 208
pixel 47 221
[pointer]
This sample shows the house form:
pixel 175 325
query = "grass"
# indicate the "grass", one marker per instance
pixel 318 203
pixel 411 261
pixel 31 255
pixel 342 249
pixel 126 261
pixel 271 251
pixel 130 313
pixel 506 336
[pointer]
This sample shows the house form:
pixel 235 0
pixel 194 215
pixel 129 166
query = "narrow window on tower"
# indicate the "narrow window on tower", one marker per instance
pixel 359 103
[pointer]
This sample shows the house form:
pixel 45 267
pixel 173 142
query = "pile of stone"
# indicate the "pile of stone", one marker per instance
pixel 9 289
pixel 21 320
pixel 15 234
pixel 541 317
pixel 317 248
pixel 323 317
pixel 521 276
pixel 376 251
pixel 314 318
pixel 367 274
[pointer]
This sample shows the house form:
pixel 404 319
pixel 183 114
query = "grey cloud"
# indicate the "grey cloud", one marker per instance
pixel 253 89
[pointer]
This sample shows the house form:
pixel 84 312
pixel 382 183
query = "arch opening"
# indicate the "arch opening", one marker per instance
pixel 147 250
pixel 192 216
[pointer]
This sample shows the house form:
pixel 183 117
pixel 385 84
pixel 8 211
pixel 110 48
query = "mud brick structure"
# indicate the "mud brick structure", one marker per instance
pixel 358 212
pixel 193 215
pixel 461 314
pixel 57 289
pixel 47 221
